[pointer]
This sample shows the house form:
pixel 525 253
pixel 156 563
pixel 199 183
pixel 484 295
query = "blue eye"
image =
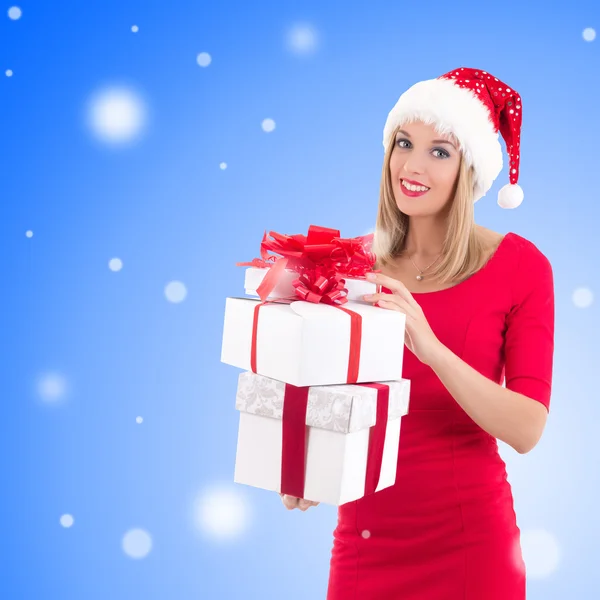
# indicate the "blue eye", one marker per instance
pixel 400 141
pixel 445 154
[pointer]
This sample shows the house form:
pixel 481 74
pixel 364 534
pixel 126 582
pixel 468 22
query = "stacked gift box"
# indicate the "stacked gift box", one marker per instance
pixel 321 396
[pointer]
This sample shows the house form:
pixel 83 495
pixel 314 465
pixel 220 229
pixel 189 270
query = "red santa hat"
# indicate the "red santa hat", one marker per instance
pixel 474 107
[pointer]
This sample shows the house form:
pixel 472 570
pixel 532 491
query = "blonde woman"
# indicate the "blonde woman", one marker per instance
pixel 480 313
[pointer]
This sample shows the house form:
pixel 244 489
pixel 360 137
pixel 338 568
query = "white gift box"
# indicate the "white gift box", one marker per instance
pixel 357 288
pixel 305 343
pixel 338 419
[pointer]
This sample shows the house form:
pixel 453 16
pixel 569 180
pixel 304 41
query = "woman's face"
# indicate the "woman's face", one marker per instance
pixel 423 158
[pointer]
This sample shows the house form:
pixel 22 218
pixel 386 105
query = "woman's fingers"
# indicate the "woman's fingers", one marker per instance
pixel 306 504
pixel 291 502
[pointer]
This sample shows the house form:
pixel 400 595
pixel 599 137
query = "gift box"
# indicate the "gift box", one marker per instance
pixel 254 276
pixel 330 444
pixel 304 344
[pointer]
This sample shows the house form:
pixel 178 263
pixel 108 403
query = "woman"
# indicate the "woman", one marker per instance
pixel 480 311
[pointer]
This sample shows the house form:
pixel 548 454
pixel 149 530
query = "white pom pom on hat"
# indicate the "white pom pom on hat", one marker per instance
pixel 510 196
pixel 475 107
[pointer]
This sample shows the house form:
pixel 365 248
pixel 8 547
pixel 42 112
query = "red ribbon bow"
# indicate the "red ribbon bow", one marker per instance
pixel 321 253
pixel 319 285
pixel 353 257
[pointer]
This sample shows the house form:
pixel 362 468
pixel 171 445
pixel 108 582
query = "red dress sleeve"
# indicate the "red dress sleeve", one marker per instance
pixel 529 341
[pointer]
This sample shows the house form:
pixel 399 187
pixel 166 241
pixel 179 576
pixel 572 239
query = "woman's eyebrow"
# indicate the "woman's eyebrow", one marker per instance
pixel 443 142
pixel 432 141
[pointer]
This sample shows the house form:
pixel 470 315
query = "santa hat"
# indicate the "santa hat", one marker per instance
pixel 473 106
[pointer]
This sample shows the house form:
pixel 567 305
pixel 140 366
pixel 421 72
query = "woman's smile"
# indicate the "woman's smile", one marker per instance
pixel 412 190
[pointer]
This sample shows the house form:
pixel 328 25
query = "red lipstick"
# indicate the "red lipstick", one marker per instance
pixel 410 193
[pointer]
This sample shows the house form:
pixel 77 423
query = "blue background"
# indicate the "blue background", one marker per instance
pixel 165 207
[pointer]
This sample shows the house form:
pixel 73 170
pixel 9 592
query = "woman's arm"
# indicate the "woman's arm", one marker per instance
pixel 509 416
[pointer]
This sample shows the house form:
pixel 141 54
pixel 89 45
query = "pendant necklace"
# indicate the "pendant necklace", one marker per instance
pixel 420 275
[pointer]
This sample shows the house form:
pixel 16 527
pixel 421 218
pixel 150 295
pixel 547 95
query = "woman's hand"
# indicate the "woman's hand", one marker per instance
pixel 291 502
pixel 418 336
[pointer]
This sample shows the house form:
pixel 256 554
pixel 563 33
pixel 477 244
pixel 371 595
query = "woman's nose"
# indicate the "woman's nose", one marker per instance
pixel 413 165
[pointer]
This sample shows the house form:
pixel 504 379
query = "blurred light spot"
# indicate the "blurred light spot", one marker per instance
pixel 9 72
pixel 589 34
pixel 67 520
pixel 366 534
pixel 223 166
pixel 175 291
pixel 204 59
pixel 221 513
pixel 517 556
pixel 582 297
pixel 302 39
pixel 137 543
pixel 139 420
pixel 116 115
pixel 52 388
pixel 14 13
pixel 540 553
pixel 115 264
pixel 268 125
pixel 135 28
pixel 29 233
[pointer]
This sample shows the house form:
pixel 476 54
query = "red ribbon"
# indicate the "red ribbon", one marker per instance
pixel 321 251
pixel 254 336
pixel 294 440
pixel 295 433
pixel 355 342
pixel 377 437
pixel 355 339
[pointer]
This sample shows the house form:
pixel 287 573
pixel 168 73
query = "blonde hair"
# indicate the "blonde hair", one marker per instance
pixel 463 251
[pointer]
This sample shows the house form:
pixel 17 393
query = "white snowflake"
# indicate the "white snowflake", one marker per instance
pixel 137 543
pixel 176 292
pixel 204 59
pixel 115 264
pixel 221 513
pixel 67 521
pixel 582 297
pixel 14 13
pixel 589 34
pixel 117 115
pixel 268 125
pixel 541 553
pixel 302 39
pixel 52 388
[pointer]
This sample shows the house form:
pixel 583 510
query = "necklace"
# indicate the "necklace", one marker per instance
pixel 420 275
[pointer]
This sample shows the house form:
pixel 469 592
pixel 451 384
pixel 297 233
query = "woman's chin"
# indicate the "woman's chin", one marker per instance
pixel 412 206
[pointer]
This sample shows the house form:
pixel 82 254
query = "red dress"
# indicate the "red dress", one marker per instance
pixel 447 529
